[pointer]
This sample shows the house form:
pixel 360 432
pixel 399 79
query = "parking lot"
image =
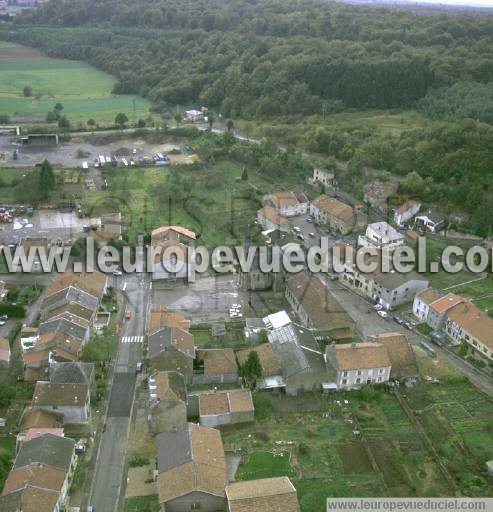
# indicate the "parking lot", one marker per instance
pixel 51 224
pixel 208 299
pixel 74 153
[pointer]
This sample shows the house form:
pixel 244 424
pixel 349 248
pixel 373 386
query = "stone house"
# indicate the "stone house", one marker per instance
pixel 406 212
pixel 71 400
pixel 391 289
pixel 353 365
pixel 191 469
pixel 317 308
pixel 215 366
pixel 276 494
pixel 335 214
pixel 226 408
pixel 172 349
pixel 466 323
pixel 167 401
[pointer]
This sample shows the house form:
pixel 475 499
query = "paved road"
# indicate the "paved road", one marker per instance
pixel 109 474
pixel 370 323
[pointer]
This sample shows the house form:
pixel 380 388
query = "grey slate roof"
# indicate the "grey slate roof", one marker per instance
pixel 69 295
pixel 173 448
pixel 63 325
pixel 46 449
pixel 393 280
pixel 71 373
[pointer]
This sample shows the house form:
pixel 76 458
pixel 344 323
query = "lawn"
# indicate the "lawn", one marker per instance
pixel 84 91
pixel 142 504
pixel 206 199
pixel 265 465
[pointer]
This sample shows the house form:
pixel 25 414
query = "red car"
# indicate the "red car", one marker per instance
pixel 128 314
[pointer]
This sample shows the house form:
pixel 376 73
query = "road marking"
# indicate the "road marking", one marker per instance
pixel 132 339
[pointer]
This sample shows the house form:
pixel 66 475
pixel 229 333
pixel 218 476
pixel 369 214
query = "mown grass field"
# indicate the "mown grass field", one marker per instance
pixel 84 91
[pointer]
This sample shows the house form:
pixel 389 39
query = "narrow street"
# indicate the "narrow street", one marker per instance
pixel 106 494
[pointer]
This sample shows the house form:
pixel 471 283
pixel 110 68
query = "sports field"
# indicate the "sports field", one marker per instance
pixel 84 91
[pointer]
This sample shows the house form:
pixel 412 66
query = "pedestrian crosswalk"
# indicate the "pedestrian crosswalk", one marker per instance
pixel 132 339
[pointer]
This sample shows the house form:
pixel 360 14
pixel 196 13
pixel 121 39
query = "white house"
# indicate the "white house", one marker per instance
pixel 431 222
pixel 422 302
pixel 391 289
pixel 352 365
pixel 406 212
pixel 288 204
pixel 380 235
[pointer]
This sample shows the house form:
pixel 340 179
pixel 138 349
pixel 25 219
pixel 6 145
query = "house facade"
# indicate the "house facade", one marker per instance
pixel 466 323
pixel 324 177
pixel 333 213
pixel 354 365
pixel 287 204
pixel 391 289
pixel 71 400
pixel 191 469
pixel 422 301
pixel 226 408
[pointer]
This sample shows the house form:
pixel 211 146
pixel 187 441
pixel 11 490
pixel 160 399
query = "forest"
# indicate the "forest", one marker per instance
pixel 287 60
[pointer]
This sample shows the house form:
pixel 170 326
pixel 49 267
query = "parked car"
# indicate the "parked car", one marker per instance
pixel 308 219
pixel 408 325
pixel 296 229
pixel 377 307
pixel 383 314
pixel 398 320
pixel 128 314
pixel 311 234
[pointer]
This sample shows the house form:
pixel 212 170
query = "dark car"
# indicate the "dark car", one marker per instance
pixel 398 320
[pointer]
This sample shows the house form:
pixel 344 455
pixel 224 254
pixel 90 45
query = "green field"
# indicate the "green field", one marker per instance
pixel 207 199
pixel 328 459
pixel 265 465
pixel 84 91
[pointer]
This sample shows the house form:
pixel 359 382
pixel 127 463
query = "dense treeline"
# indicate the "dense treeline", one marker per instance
pixel 293 58
pixel 266 58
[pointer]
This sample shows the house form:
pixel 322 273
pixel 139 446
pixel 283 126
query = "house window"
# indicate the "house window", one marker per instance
pixel 358 380
pixel 344 374
pixel 360 372
pixel 381 371
pixel 344 382
pixel 379 379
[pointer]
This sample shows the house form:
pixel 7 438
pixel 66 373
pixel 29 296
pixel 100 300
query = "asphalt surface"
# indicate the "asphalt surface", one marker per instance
pixel 368 323
pixel 109 475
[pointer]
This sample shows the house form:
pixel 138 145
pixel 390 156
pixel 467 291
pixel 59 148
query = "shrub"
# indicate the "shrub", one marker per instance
pixel 137 461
